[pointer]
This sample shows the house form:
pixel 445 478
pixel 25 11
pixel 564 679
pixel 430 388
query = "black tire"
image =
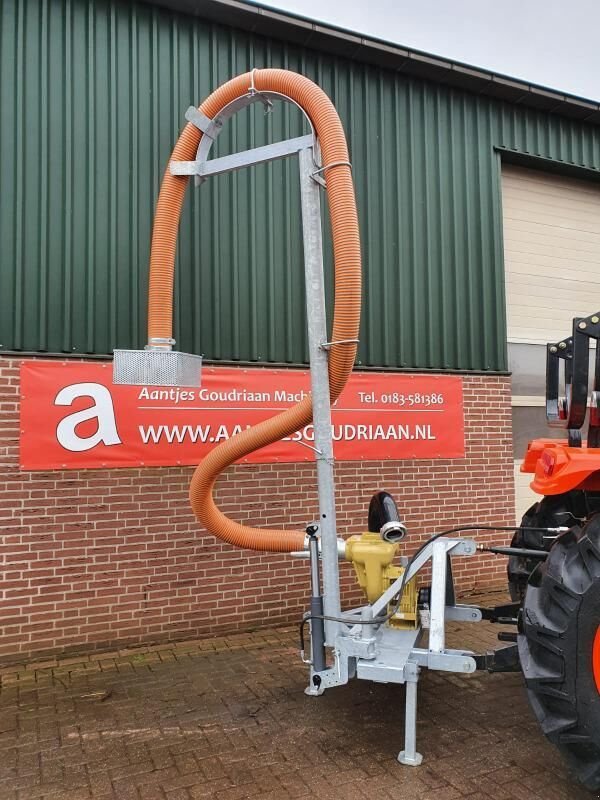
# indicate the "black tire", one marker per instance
pixel 559 622
pixel 551 512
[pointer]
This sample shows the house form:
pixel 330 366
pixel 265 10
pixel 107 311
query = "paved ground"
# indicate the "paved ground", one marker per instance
pixel 227 719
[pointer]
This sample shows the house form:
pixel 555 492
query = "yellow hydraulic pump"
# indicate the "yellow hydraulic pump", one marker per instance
pixel 372 558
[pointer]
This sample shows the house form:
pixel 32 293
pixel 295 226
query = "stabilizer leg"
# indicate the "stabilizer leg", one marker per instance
pixel 409 755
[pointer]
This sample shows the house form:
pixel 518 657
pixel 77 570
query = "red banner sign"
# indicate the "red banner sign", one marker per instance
pixel 73 416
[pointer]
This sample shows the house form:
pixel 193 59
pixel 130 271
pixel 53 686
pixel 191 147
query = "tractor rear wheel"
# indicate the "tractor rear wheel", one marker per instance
pixel 559 648
pixel 552 511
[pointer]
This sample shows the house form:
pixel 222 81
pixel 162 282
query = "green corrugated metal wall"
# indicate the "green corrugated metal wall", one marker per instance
pixel 92 96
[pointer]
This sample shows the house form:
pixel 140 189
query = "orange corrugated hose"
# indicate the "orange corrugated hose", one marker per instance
pixel 346 317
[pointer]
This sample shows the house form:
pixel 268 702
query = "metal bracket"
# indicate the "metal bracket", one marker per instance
pixel 505 615
pixel 254 92
pixel 245 158
pixel 446 661
pixel 337 675
pixel 505 659
pixel 316 175
pixel 209 127
pixel 212 128
pixel 329 345
pixel 310 447
pixel 463 613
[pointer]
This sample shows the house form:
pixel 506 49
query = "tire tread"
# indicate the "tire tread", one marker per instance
pixel 548 646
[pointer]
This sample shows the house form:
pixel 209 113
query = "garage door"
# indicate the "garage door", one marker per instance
pixel 552 269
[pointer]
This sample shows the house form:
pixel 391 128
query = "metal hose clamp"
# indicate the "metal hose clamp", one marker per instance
pixel 159 343
pixel 254 92
pixel 393 531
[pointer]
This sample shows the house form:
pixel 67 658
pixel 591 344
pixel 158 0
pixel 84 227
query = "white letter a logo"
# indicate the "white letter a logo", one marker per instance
pixel 102 411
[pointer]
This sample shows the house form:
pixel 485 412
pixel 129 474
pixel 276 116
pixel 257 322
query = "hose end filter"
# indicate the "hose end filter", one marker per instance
pixel 156 367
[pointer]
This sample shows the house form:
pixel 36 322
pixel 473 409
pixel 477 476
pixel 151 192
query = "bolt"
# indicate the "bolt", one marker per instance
pixel 554 349
pixel 595 320
pixel 582 325
pixel 467 666
pixel 562 345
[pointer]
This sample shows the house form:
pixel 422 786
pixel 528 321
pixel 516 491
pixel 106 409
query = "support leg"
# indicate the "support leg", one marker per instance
pixel 409 755
pixel 314 689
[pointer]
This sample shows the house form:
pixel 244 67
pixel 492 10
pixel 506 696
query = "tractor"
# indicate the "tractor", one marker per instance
pixel 559 592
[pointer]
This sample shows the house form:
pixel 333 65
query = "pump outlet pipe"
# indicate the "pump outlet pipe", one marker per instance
pixel 347 274
pixel 384 518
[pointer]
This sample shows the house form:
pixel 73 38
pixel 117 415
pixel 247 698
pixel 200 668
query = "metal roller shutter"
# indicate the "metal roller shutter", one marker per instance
pixel 552 274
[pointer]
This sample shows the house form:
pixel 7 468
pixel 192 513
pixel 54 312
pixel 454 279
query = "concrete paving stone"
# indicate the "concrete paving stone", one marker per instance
pixel 211 768
pixel 132 769
pixel 161 757
pixel 34 792
pixel 186 763
pixel 110 796
pixel 449 793
pixel 208 789
pixel 235 793
pixel 99 783
pixel 178 794
pixel 125 790
pixel 67 793
pixel 294 785
pixel 41 665
pixel 151 793
pixel 167 656
pixel 277 794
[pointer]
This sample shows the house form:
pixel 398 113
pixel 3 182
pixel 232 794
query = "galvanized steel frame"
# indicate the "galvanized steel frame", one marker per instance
pixel 361 647
pixel 321 400
pixel 307 149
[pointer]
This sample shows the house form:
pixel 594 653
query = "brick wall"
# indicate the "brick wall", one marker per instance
pixel 97 558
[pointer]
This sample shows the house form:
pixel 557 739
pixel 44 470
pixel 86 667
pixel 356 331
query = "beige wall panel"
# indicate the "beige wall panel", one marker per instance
pixel 551 252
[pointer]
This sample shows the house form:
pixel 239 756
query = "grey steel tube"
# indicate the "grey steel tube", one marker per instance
pixel 321 396
pixel 317 624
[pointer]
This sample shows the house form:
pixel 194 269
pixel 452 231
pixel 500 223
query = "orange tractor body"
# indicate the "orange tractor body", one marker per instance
pixel 558 468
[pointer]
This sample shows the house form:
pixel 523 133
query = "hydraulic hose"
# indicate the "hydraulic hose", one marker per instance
pixel 347 273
